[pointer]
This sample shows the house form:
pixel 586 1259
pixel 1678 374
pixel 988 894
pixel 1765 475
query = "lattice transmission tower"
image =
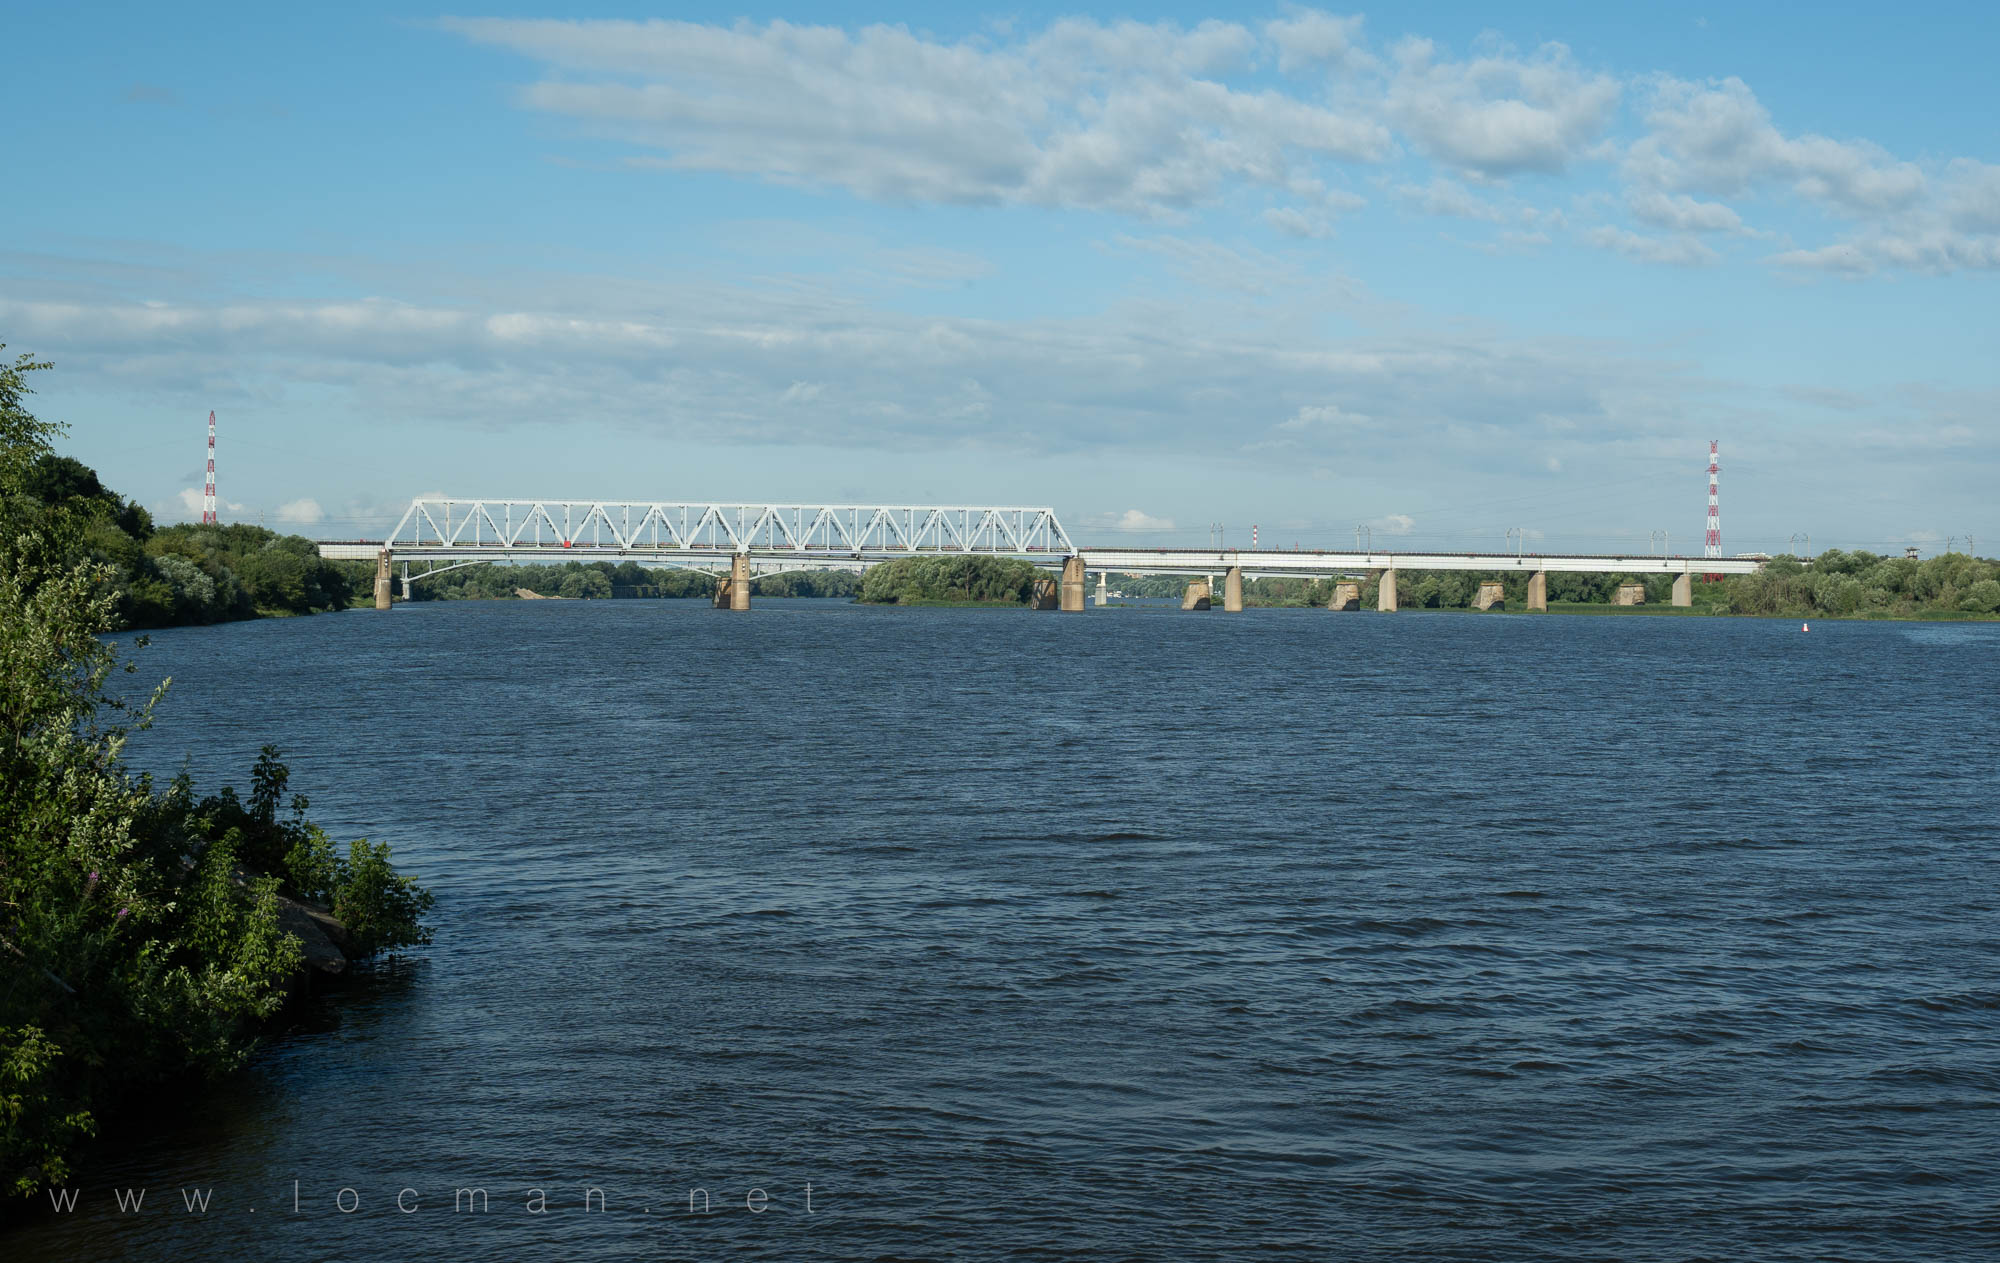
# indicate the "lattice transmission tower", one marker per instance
pixel 208 493
pixel 1712 542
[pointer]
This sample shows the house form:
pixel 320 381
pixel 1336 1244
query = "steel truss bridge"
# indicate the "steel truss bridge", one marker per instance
pixel 771 538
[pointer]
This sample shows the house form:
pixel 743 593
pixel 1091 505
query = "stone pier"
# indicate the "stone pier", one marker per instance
pixel 733 593
pixel 1630 594
pixel 1072 586
pixel 1538 591
pixel 384 592
pixel 1385 594
pixel 1490 595
pixel 1684 591
pixel 1045 595
pixel 1346 596
pixel 1232 590
pixel 1196 597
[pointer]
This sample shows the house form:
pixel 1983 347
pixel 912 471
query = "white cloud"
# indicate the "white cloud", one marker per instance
pixel 1122 116
pixel 1393 524
pixel 1448 197
pixel 1158 119
pixel 1681 213
pixel 1499 113
pixel 1718 138
pixel 1310 40
pixel 1685 251
pixel 1294 222
pixel 1321 416
pixel 714 363
pixel 189 500
pixel 302 512
pixel 1136 520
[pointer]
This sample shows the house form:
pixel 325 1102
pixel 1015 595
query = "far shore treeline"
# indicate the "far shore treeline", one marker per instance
pixel 148 937
pixel 163 576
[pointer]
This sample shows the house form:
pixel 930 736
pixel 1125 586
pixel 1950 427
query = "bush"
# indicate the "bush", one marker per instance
pixel 380 908
pixel 1982 597
pixel 135 948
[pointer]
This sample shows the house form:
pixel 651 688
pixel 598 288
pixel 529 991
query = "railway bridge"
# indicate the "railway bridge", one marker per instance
pixel 739 541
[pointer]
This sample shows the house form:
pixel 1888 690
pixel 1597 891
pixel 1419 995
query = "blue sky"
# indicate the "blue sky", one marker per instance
pixel 1443 269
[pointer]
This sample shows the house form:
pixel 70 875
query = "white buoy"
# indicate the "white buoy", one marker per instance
pixel 1805 627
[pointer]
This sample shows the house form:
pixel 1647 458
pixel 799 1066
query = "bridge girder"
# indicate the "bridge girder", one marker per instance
pixel 729 528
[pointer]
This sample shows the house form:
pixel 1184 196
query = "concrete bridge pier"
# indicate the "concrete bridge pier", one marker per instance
pixel 739 582
pixel 1072 586
pixel 1103 588
pixel 1346 596
pixel 1196 597
pixel 1684 591
pixel 1232 590
pixel 384 592
pixel 1538 591
pixel 1490 595
pixel 1046 594
pixel 1385 595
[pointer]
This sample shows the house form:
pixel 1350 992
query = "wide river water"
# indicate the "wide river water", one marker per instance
pixel 1138 935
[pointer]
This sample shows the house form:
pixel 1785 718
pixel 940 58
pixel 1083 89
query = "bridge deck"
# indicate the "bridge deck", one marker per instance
pixel 1191 561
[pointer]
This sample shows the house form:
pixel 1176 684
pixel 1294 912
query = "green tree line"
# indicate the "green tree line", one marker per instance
pixel 589 580
pixel 1834 584
pixel 951 580
pixel 140 933
pixel 166 576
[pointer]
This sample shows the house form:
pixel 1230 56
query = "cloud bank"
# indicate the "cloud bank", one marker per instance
pixel 1301 112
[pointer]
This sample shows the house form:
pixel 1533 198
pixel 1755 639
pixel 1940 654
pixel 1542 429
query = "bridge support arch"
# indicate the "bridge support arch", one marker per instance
pixel 1196 597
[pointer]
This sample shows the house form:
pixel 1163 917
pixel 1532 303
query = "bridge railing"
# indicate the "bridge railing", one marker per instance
pixel 875 529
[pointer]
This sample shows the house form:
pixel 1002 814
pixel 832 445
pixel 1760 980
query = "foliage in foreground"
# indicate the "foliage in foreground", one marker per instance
pixel 139 930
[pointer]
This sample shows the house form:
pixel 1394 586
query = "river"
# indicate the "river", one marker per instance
pixel 1140 934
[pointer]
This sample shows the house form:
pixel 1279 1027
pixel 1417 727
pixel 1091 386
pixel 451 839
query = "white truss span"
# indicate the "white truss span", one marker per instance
pixel 633 528
pixel 813 536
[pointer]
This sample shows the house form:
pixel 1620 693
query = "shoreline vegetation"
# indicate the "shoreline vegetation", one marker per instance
pixel 147 937
pixel 1835 584
pixel 207 573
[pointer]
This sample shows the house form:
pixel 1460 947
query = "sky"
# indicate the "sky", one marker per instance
pixel 1440 271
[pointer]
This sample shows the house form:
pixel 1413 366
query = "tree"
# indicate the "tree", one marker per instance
pixel 585 585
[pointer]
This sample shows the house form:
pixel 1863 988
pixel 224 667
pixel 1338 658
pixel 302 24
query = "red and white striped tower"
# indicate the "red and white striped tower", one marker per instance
pixel 209 492
pixel 1712 544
